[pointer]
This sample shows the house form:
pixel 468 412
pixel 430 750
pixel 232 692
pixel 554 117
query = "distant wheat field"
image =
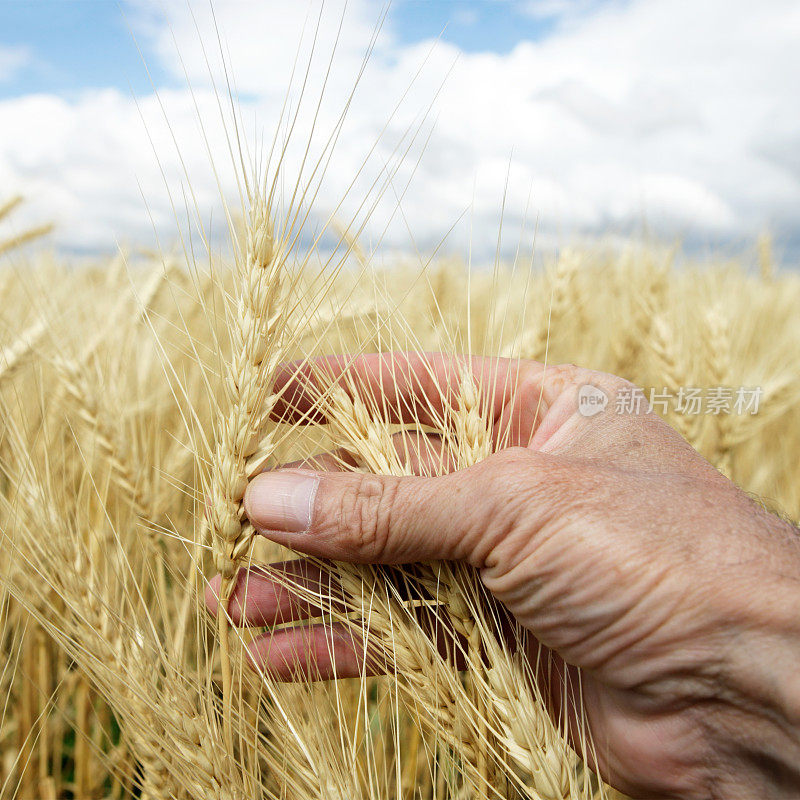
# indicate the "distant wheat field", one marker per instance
pixel 136 398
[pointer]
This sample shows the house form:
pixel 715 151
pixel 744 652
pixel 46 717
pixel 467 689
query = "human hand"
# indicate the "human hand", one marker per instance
pixel 608 537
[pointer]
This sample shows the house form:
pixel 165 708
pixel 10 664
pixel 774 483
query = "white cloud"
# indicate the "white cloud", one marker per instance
pixel 12 59
pixel 680 113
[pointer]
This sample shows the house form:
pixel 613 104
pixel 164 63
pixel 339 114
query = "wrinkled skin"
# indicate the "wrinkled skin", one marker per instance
pixel 608 537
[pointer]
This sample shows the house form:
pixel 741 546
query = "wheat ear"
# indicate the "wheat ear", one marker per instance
pixel 352 426
pixel 670 367
pixel 491 671
pixel 7 207
pixel 534 342
pixel 13 355
pixel 25 237
pixel 719 370
pixel 474 443
pixel 474 720
pixel 647 300
pixel 242 449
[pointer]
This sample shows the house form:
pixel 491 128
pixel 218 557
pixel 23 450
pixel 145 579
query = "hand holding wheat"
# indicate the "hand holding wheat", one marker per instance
pixel 608 537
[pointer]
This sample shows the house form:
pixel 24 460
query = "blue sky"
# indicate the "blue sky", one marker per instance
pixel 73 45
pixel 596 118
pixel 472 25
pixel 80 44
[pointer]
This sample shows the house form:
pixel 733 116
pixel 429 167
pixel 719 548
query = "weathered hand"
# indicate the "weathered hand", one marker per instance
pixel 620 548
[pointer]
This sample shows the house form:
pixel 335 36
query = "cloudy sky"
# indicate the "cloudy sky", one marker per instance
pixel 678 119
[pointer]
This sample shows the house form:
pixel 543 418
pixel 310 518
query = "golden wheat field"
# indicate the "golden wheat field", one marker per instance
pixel 136 401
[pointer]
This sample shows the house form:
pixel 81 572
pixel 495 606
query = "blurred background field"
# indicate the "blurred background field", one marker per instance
pixel 100 485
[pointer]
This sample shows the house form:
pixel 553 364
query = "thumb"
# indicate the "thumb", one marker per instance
pixel 382 518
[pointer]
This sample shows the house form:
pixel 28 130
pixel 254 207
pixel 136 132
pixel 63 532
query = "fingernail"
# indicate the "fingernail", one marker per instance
pixel 281 501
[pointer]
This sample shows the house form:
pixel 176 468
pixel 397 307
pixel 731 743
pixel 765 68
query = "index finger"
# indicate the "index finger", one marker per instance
pixel 408 388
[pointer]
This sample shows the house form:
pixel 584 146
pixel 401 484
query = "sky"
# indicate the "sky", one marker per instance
pixel 677 120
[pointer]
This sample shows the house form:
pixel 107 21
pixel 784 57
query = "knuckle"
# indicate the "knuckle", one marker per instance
pixel 574 375
pixel 567 372
pixel 366 510
pixel 561 376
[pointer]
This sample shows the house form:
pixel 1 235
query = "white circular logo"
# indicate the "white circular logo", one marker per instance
pixel 591 400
